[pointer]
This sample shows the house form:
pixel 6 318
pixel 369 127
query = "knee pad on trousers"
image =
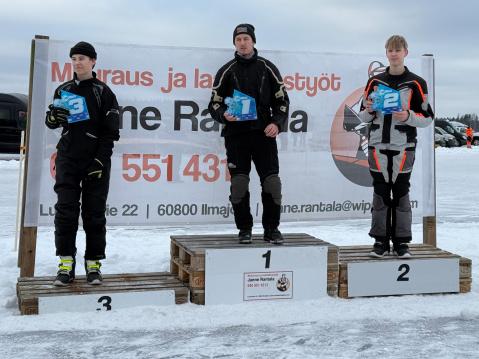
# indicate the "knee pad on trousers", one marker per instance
pixel 379 217
pixel 404 204
pixel 378 203
pixel 272 185
pixel 239 187
pixel 403 217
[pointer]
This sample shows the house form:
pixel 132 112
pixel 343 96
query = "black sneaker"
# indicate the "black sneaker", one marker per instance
pixel 402 250
pixel 273 236
pixel 93 274
pixel 380 249
pixel 66 271
pixel 245 236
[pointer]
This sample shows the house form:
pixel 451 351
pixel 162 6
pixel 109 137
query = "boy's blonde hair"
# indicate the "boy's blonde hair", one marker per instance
pixel 396 42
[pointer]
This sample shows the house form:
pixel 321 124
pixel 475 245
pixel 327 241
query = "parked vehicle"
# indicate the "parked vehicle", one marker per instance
pixel 13 118
pixel 459 126
pixel 449 128
pixel 439 140
pixel 450 140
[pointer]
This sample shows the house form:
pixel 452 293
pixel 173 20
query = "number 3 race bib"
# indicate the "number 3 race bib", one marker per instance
pixel 76 104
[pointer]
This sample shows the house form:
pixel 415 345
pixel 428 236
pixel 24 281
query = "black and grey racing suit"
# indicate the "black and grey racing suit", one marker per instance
pixel 391 154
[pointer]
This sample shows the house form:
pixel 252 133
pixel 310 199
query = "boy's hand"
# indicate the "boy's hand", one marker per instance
pixel 401 116
pixel 369 105
pixel 271 130
pixel 229 117
pixel 57 115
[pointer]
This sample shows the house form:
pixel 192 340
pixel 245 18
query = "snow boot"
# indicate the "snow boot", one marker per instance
pixel 380 249
pixel 93 274
pixel 402 250
pixel 66 271
pixel 245 236
pixel 273 236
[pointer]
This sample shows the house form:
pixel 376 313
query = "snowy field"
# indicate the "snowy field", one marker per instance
pixel 429 326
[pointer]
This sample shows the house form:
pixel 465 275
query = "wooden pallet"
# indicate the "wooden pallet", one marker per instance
pixel 30 289
pixel 188 257
pixel 349 254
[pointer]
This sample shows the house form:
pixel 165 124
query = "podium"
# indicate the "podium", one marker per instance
pixel 235 271
pixel 430 270
pixel 38 295
pixel 216 269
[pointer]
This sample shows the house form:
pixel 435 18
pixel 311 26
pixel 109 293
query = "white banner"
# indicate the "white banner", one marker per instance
pixel 169 167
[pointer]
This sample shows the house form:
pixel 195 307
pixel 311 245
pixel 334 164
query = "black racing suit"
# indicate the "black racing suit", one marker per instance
pixel 245 141
pixel 391 154
pixel 80 143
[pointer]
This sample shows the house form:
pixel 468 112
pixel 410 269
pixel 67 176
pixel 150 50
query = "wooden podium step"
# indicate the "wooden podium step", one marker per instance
pixel 29 290
pixel 188 257
pixel 420 252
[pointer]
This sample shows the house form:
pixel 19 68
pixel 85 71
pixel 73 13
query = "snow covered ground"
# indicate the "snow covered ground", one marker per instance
pixel 429 326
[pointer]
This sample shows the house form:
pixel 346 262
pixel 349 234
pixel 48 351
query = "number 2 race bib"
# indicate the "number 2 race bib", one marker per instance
pixel 386 100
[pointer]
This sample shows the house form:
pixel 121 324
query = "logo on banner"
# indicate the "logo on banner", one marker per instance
pixel 349 136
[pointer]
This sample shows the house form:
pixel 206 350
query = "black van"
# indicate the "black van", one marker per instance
pixel 13 118
pixel 446 126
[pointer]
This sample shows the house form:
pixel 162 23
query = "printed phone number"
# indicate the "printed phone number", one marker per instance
pixel 155 167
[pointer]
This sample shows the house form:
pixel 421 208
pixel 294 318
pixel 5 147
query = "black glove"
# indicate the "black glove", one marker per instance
pixel 94 171
pixel 57 116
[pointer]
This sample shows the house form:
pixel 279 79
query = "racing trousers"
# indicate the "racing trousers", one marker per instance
pixel 70 186
pixel 391 210
pixel 241 149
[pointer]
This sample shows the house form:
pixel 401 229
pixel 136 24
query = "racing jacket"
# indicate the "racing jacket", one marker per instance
pixel 92 138
pixel 386 133
pixel 258 78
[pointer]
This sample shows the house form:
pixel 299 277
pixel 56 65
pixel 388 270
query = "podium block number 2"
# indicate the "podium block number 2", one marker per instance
pixel 403 269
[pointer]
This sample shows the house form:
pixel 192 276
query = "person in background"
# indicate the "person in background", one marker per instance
pixel 469 136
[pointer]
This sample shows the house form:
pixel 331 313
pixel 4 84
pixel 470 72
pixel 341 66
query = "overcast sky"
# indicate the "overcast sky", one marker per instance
pixel 448 30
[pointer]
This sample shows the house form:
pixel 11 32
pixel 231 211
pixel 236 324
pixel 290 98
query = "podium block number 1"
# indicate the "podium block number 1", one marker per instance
pixel 267 255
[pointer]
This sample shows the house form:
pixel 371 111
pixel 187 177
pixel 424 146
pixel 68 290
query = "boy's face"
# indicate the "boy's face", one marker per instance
pixel 244 44
pixel 396 55
pixel 82 64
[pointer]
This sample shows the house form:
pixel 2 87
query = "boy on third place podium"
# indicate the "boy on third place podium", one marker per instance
pixel 253 140
pixel 87 111
pixel 392 144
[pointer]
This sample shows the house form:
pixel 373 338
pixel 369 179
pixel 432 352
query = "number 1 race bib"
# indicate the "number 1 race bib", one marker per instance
pixel 386 100
pixel 76 104
pixel 242 106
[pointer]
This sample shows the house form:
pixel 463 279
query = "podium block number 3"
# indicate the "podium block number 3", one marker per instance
pixel 107 302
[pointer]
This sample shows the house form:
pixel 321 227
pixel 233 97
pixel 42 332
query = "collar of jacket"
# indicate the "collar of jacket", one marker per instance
pixel 243 60
pixel 398 77
pixel 84 82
